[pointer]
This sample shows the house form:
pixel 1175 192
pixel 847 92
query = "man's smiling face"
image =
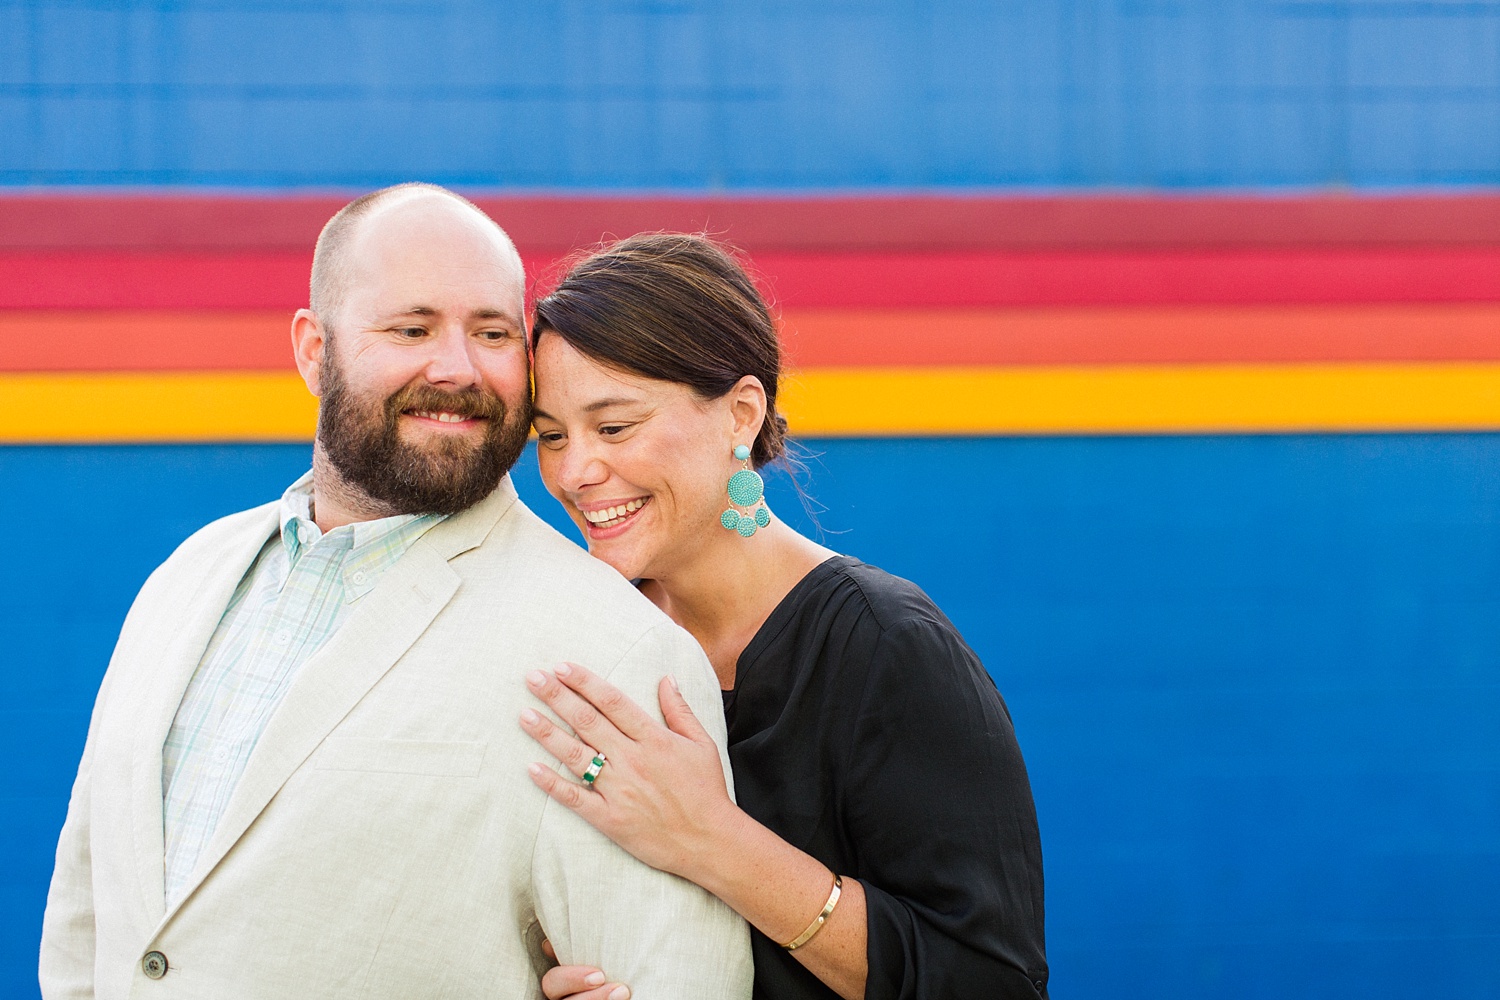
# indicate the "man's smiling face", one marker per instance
pixel 424 383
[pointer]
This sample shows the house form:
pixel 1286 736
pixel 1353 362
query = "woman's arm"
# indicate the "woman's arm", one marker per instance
pixel 661 795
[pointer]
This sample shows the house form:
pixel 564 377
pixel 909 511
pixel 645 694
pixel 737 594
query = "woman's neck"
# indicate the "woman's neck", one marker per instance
pixel 727 590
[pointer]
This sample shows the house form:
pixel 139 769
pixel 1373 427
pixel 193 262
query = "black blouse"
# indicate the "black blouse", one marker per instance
pixel 864 731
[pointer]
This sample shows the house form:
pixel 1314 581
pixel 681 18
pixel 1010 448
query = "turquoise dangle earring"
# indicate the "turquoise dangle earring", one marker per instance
pixel 747 490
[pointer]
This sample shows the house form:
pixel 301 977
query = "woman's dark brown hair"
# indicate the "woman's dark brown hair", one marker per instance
pixel 675 307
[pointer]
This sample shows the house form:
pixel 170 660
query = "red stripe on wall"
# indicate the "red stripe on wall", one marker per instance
pixel 279 280
pixel 547 225
pixel 1223 277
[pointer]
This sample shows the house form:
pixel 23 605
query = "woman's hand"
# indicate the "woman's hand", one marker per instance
pixel 661 793
pixel 578 982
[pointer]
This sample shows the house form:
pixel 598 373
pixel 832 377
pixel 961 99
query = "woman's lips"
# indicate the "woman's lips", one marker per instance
pixel 606 521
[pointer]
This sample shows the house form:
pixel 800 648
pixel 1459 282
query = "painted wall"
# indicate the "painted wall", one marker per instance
pixel 1254 674
pixel 1254 679
pixel 774 94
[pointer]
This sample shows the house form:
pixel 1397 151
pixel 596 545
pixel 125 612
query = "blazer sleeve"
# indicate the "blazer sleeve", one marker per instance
pixel 598 905
pixel 940 806
pixel 66 968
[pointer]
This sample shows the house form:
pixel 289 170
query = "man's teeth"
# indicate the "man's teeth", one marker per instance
pixel 605 517
pixel 442 416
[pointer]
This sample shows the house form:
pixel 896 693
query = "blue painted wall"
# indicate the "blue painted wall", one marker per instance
pixel 771 94
pixel 1255 680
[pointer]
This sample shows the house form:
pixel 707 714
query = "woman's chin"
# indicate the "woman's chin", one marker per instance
pixel 621 558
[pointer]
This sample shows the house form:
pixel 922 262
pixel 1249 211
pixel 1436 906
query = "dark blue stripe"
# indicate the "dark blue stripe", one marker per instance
pixel 771 95
pixel 1255 679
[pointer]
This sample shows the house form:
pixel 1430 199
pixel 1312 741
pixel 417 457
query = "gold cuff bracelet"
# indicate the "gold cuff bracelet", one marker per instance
pixel 820 919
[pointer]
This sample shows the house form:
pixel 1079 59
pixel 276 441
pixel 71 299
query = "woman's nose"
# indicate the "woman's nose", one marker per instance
pixel 579 468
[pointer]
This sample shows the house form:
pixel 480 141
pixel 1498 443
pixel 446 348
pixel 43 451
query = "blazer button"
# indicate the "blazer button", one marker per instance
pixel 154 965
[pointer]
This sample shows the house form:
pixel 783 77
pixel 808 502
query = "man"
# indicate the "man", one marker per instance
pixel 304 776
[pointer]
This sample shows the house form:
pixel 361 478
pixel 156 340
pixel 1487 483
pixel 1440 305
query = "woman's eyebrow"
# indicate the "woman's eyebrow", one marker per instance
pixel 601 404
pixel 604 404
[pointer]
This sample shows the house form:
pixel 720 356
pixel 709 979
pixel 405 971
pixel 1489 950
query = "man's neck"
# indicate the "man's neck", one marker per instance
pixel 336 501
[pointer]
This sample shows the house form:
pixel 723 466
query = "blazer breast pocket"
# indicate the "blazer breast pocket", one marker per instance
pixel 432 757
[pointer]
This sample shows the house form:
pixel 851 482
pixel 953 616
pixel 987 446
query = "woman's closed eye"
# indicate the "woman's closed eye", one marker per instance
pixel 610 430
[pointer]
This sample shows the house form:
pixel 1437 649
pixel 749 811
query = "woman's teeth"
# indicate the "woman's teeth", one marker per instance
pixel 611 516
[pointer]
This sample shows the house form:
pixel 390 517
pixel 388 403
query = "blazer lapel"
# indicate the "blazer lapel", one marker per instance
pixel 329 685
pixel 206 594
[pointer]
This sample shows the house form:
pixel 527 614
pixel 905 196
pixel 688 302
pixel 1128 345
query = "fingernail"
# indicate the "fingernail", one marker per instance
pixel 534 769
pixel 535 678
pixel 673 679
pixel 529 717
pixel 620 993
pixel 563 670
pixel 594 979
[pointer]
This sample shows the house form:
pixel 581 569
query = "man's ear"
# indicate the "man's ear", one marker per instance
pixel 309 341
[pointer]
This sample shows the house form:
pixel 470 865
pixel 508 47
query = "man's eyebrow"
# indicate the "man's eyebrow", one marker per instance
pixel 492 314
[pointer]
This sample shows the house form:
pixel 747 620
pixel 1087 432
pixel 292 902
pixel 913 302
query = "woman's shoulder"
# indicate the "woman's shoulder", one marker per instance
pixel 902 654
pixel 882 602
pixel 858 620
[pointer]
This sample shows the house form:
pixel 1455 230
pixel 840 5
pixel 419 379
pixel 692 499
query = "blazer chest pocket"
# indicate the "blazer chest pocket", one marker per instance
pixel 351 753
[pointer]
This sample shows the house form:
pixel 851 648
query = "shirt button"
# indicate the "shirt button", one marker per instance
pixel 282 638
pixel 154 965
pixel 358 577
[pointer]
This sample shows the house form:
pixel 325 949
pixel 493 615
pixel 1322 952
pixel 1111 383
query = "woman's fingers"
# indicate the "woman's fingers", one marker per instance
pixel 571 752
pixel 587 721
pixel 627 716
pixel 677 712
pixel 580 982
pixel 571 795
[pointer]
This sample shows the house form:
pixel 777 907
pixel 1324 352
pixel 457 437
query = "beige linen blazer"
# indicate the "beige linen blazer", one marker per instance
pixel 385 840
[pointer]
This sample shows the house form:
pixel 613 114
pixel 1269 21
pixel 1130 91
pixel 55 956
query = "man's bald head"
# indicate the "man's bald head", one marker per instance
pixel 332 267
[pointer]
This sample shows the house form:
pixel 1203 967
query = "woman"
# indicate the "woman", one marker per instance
pixel 885 841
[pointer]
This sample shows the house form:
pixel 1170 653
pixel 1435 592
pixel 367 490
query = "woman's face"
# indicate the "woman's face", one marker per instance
pixel 639 464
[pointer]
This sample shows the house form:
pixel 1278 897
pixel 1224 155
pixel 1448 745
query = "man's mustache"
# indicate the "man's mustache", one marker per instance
pixel 470 403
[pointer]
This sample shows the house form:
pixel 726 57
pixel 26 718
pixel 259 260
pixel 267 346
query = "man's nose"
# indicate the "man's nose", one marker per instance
pixel 451 361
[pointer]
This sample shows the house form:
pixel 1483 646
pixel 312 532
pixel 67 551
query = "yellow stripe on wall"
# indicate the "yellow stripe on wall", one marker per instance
pixel 1156 399
pixel 108 407
pixel 42 408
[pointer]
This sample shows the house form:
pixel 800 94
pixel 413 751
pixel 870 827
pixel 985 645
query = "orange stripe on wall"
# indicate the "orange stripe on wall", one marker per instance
pixel 149 340
pixel 259 340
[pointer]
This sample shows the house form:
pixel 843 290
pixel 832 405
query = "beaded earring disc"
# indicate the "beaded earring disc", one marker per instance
pixel 746 489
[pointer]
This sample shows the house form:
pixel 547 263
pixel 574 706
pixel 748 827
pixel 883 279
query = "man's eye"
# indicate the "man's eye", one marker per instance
pixel 494 336
pixel 411 332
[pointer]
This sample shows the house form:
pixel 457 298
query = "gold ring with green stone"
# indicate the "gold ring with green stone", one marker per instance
pixel 591 773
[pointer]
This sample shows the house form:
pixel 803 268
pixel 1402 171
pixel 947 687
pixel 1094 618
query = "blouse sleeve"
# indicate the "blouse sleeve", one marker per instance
pixel 940 809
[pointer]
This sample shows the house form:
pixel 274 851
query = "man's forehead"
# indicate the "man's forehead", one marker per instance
pixel 435 255
pixel 426 222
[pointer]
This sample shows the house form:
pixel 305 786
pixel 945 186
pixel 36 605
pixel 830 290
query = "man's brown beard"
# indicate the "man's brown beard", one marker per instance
pixel 363 441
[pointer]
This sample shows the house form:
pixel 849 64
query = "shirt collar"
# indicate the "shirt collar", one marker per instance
pixel 371 546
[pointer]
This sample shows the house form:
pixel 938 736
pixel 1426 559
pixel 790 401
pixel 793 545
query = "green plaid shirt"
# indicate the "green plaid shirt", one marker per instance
pixel 291 601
